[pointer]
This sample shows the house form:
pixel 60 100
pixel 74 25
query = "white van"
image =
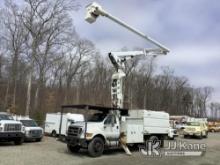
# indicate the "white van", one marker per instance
pixel 52 123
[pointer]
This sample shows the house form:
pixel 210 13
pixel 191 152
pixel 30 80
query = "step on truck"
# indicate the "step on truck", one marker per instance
pixel 10 130
pixel 108 127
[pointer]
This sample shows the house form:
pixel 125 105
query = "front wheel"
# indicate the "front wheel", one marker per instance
pixel 96 147
pixel 206 134
pixel 200 136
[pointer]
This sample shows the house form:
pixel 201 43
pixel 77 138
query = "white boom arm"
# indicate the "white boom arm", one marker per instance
pixel 118 59
pixel 94 10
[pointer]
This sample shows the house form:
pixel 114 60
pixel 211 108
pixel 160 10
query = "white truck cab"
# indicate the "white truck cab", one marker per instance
pixel 107 128
pixel 11 130
pixel 32 130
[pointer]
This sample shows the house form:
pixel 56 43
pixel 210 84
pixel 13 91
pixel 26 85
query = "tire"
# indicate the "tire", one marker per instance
pixel 96 147
pixel 54 133
pixel 206 134
pixel 200 137
pixel 38 139
pixel 73 149
pixel 19 141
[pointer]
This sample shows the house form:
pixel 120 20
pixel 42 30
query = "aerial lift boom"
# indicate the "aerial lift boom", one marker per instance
pixel 119 59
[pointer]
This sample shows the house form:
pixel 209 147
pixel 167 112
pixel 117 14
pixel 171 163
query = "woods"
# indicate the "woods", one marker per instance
pixel 44 63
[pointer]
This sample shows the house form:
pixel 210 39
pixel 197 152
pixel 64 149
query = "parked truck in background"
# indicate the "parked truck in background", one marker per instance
pixel 52 123
pixel 197 129
pixel 11 130
pixel 106 128
pixel 32 130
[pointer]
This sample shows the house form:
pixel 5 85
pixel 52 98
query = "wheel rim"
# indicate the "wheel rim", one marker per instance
pixel 98 146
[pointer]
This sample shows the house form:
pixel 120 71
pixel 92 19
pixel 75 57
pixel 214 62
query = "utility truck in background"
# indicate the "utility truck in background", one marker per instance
pixel 52 123
pixel 108 128
pixel 11 130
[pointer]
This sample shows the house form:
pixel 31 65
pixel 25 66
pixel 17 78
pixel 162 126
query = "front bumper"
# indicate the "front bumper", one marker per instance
pixel 10 136
pixel 76 141
pixel 32 137
pixel 192 133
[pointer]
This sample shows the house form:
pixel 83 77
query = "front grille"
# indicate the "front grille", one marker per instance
pixel 74 131
pixel 12 128
pixel 36 132
pixel 190 129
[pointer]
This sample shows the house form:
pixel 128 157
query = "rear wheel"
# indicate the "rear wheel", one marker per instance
pixel 96 147
pixel 73 149
pixel 54 133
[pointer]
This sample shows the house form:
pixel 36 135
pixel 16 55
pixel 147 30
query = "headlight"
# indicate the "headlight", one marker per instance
pixel 89 135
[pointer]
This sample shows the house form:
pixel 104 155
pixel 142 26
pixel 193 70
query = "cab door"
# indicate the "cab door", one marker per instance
pixel 111 128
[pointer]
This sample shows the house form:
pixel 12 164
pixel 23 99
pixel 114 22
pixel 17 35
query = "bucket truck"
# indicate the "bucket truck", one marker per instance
pixel 111 127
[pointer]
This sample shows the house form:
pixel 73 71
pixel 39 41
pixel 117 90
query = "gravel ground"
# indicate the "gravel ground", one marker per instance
pixel 52 152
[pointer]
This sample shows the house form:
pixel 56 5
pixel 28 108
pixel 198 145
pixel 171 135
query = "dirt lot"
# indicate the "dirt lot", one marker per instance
pixel 52 152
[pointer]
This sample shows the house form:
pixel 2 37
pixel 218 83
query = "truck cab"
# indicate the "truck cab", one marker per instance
pixel 11 130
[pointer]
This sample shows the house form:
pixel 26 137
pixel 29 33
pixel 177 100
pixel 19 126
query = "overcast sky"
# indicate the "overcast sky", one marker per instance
pixel 189 28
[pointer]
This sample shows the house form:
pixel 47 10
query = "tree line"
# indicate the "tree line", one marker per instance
pixel 44 63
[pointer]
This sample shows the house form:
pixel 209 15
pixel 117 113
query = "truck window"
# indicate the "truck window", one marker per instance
pixel 29 123
pixel 5 117
pixel 97 117
pixel 110 119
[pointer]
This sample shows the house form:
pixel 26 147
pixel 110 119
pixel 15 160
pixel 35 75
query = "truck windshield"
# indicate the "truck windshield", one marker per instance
pixel 97 117
pixel 5 117
pixel 193 124
pixel 29 123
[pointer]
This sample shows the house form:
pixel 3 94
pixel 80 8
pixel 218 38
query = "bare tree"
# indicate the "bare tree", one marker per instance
pixel 14 36
pixel 50 28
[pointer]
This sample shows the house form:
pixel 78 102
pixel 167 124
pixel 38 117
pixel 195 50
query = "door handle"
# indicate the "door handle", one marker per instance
pixel 117 127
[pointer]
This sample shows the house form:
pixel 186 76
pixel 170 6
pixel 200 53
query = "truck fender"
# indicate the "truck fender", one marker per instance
pixel 101 136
